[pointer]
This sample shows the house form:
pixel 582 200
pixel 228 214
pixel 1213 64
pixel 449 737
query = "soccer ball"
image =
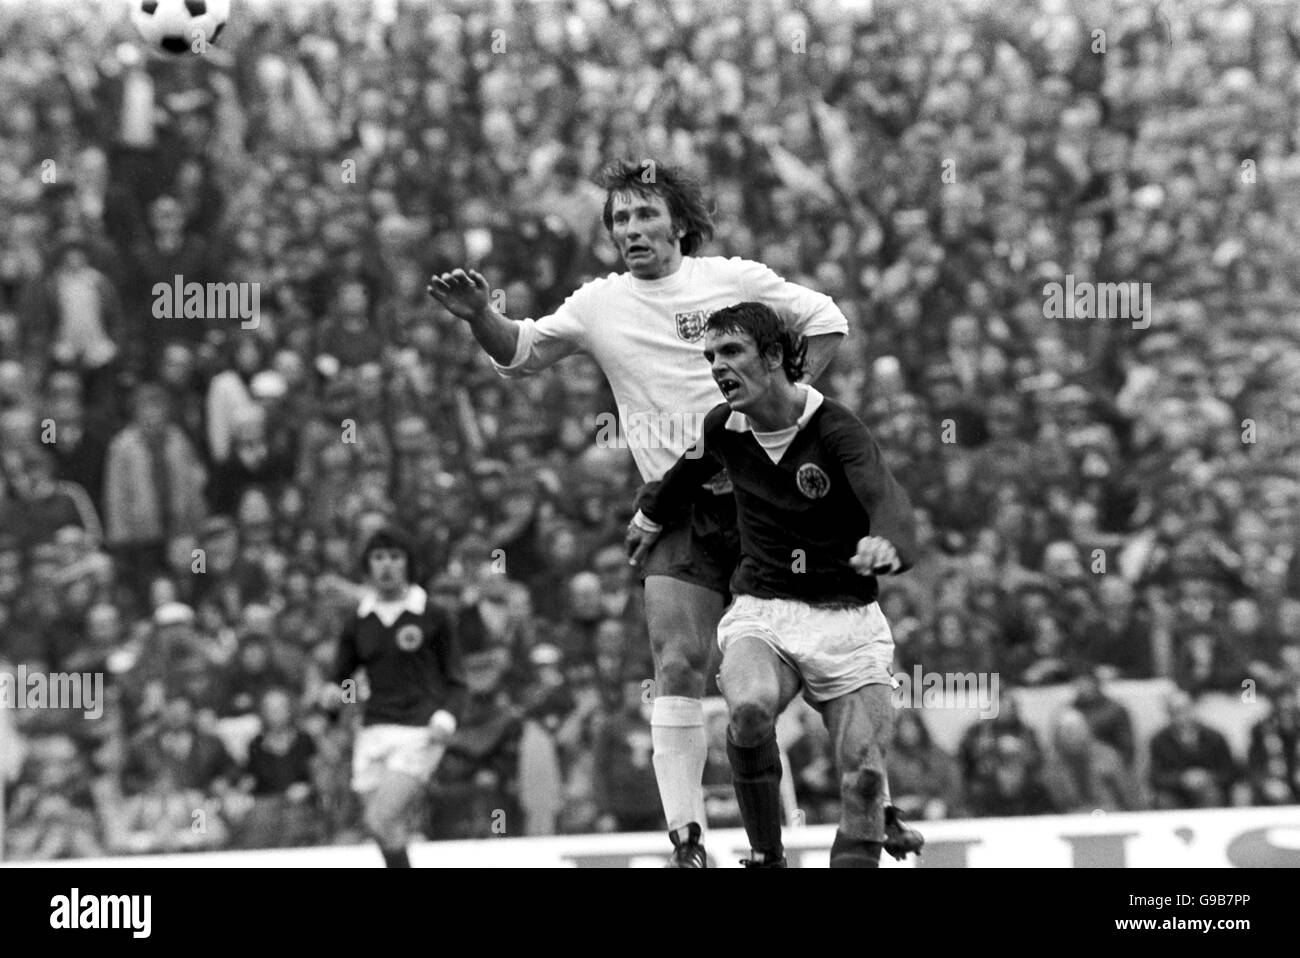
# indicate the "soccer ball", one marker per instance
pixel 174 26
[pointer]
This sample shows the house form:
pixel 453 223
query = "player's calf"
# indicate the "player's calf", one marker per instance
pixel 756 776
pixel 681 619
pixel 756 684
pixel 392 836
pixel 861 834
pixel 860 722
pixel 862 791
pixel 387 817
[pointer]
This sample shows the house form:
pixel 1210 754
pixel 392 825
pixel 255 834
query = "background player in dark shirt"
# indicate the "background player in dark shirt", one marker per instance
pixel 819 516
pixel 408 647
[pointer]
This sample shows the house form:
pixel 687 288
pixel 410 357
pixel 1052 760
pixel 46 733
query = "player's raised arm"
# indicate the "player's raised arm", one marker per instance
pixel 466 295
pixel 821 350
pixel 517 348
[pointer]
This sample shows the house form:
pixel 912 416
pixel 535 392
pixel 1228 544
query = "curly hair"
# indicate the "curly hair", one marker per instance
pixel 683 193
pixel 768 332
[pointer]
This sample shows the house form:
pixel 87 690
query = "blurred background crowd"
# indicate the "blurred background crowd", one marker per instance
pixel 182 499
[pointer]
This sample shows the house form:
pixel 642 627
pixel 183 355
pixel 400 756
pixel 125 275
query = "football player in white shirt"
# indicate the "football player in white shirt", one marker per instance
pixel 644 328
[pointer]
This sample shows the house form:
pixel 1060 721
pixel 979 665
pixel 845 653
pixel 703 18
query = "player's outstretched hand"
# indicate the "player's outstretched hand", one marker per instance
pixel 876 556
pixel 464 293
pixel 638 543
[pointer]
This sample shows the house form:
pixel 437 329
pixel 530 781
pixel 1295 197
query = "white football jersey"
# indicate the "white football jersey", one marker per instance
pixel 648 338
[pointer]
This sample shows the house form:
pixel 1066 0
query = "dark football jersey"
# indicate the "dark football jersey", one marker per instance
pixel 799 519
pixel 413 664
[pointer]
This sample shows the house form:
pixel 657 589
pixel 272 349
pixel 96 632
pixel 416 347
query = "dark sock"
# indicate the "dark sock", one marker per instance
pixel 395 859
pixel 756 773
pixel 854 852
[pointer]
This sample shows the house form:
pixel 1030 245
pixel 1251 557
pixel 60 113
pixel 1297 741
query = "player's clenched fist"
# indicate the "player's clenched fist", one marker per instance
pixel 464 293
pixel 876 556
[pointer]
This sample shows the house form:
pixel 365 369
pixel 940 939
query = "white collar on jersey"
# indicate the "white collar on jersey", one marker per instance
pixel 663 283
pixel 739 422
pixel 414 602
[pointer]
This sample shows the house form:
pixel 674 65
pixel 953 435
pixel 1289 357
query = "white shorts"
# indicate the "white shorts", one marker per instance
pixel 835 651
pixel 397 748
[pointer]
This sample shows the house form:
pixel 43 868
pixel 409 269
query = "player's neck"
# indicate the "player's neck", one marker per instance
pixel 779 408
pixel 669 268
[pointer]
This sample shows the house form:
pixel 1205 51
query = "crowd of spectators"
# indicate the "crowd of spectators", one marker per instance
pixel 182 496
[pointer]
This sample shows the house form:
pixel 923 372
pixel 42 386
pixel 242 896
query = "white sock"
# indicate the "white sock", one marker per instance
pixel 680 751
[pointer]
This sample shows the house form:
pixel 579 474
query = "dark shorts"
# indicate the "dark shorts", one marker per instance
pixel 703 550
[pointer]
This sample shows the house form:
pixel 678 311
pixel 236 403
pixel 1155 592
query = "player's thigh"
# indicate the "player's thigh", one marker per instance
pixel 752 671
pixel 861 725
pixel 757 685
pixel 394 796
pixel 681 617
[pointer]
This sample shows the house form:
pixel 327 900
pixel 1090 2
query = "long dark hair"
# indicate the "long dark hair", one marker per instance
pixel 683 194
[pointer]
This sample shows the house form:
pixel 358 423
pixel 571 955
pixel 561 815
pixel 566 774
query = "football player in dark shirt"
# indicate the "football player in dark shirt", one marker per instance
pixel 820 516
pixel 409 650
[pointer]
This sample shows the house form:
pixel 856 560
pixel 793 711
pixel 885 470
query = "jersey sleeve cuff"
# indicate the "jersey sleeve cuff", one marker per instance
pixel 645 524
pixel 523 346
pixel 444 722
pixel 829 324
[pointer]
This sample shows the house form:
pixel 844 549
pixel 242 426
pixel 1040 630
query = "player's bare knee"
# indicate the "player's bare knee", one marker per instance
pixel 385 818
pixel 680 671
pixel 751 722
